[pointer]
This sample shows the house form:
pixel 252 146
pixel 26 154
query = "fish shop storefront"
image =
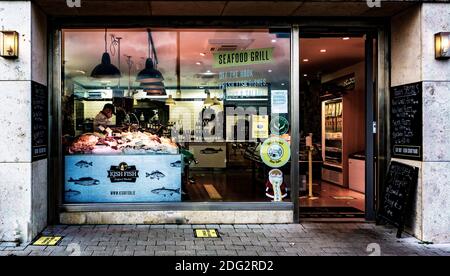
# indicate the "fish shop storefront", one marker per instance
pixel 200 112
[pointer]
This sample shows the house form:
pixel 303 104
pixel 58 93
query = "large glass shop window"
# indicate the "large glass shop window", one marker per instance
pixel 159 115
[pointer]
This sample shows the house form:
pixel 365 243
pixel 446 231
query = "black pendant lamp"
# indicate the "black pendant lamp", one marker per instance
pixel 105 69
pixel 150 74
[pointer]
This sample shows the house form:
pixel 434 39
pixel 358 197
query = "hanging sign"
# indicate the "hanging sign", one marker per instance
pixel 275 152
pixel 244 57
pixel 260 126
pixel 279 125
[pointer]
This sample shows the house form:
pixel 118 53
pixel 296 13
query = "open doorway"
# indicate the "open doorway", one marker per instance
pixel 333 128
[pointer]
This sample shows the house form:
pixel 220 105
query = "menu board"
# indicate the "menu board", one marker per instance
pixel 406 121
pixel 39 121
pixel 398 187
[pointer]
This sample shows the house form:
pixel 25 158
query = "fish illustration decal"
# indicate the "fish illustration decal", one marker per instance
pixel 72 193
pixel 155 174
pixel 85 181
pixel 176 164
pixel 83 164
pixel 210 150
pixel 165 192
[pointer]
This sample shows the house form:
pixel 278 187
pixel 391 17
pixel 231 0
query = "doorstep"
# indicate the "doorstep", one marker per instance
pixel 177 217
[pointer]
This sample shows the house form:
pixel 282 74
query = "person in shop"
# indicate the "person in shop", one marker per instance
pixel 104 117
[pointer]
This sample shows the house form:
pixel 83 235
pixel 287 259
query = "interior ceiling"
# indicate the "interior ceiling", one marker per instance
pixel 83 50
pixel 339 54
pixel 225 8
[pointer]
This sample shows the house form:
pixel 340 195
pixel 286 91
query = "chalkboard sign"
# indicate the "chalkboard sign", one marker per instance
pixel 400 181
pixel 406 121
pixel 39 121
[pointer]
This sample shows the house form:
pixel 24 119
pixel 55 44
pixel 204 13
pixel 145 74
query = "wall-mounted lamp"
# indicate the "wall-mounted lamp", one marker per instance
pixel 9 44
pixel 442 44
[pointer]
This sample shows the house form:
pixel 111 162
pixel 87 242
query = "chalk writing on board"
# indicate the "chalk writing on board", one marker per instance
pixel 406 121
pixel 39 121
pixel 400 182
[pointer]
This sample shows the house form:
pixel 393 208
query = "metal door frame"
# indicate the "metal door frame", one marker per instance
pixel 376 105
pixel 378 27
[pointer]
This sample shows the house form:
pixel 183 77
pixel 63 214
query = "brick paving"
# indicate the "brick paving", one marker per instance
pixel 306 239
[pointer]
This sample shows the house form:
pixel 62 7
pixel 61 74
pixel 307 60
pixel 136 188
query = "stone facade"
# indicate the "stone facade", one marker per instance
pixel 23 183
pixel 412 59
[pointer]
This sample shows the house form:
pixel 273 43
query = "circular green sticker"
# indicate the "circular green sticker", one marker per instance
pixel 275 152
pixel 279 125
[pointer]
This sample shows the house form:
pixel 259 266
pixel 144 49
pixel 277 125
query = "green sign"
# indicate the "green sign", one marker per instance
pixel 275 152
pixel 244 57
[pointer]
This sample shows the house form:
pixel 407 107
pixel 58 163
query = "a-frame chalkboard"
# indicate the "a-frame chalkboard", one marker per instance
pixel 400 181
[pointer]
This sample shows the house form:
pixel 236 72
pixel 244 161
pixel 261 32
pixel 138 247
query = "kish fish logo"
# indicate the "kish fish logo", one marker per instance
pixel 123 173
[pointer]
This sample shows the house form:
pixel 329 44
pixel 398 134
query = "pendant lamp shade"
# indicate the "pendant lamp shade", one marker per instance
pixel 170 101
pixel 149 74
pixel 216 101
pixel 208 101
pixel 155 85
pixel 105 69
pixel 155 91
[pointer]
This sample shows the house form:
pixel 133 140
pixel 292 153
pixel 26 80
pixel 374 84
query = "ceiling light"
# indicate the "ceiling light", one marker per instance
pixel 305 60
pixel 208 101
pixel 216 101
pixel 150 73
pixel 170 101
pixel 282 84
pixel 270 70
pixel 346 38
pixel 152 85
pixel 323 50
pixel 155 92
pixel 305 75
pixel 105 69
pixel 274 40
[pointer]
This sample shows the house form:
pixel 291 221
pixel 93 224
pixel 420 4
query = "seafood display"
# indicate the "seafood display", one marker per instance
pixel 83 143
pixel 136 142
